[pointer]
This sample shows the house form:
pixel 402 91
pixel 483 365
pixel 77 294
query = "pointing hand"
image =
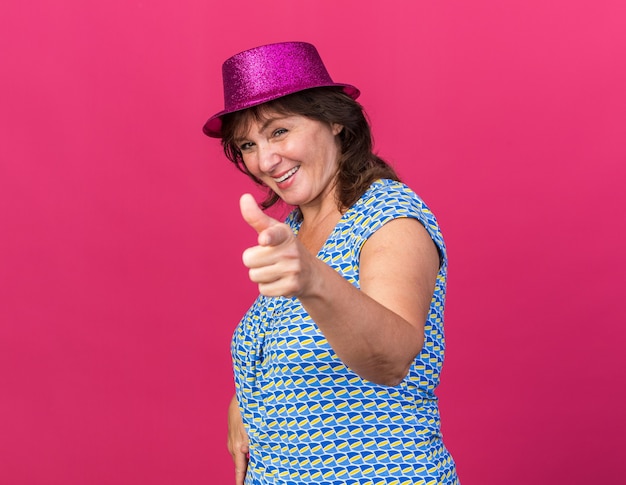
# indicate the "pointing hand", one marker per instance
pixel 280 265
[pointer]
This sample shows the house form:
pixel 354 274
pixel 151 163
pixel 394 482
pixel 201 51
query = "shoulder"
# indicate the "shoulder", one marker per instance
pixel 387 200
pixel 390 196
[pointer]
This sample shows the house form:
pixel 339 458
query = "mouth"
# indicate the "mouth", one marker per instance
pixel 287 175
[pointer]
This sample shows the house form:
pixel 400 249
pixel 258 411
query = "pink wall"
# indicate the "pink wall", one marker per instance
pixel 120 274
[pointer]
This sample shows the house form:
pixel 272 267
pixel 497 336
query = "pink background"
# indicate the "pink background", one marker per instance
pixel 120 242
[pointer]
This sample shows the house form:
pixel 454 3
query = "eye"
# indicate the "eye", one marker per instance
pixel 279 132
pixel 246 146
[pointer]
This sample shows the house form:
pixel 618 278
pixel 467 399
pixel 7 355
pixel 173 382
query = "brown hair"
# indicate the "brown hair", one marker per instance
pixel 358 165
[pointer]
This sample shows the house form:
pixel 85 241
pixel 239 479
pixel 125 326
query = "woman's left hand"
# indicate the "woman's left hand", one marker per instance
pixel 280 264
pixel 238 443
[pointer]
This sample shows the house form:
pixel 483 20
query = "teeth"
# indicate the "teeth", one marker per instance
pixel 287 175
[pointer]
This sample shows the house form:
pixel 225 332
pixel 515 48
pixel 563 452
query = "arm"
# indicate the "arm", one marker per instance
pixel 237 441
pixel 379 330
pixel 376 331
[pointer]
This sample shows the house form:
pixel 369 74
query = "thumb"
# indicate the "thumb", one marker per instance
pixel 253 214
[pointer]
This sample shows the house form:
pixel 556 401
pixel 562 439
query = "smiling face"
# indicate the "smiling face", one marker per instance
pixel 293 155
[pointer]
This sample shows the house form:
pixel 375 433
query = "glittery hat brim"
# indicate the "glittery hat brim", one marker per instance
pixel 213 126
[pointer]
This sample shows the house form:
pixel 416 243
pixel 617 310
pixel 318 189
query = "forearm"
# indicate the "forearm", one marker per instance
pixel 374 341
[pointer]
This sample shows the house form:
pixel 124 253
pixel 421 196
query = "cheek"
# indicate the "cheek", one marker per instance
pixel 331 156
pixel 250 164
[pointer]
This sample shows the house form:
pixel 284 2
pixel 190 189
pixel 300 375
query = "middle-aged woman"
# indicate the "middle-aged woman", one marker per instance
pixel 337 360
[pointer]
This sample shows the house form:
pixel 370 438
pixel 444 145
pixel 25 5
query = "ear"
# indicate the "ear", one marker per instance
pixel 336 128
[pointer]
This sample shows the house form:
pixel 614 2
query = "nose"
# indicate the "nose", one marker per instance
pixel 268 158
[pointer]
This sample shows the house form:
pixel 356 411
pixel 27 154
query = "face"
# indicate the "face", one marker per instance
pixel 295 156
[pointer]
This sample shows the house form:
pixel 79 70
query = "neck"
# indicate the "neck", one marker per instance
pixel 318 222
pixel 322 207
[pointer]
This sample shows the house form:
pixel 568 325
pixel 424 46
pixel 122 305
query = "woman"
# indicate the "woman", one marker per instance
pixel 337 360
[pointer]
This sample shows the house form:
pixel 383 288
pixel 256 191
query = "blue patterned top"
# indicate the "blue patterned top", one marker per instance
pixel 312 420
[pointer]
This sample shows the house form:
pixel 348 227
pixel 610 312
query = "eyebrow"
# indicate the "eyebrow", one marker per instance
pixel 264 126
pixel 271 120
